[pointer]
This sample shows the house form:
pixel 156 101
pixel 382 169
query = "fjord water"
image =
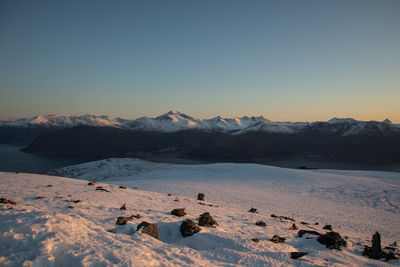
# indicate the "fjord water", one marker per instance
pixel 13 160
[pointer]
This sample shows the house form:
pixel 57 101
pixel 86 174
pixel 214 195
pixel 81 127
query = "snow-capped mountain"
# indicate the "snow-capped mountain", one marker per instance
pixel 174 121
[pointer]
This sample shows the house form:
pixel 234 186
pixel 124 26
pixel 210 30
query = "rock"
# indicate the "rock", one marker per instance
pixel 255 240
pixel 178 212
pixel 122 187
pixel 169 195
pixel 188 228
pixel 7 201
pixel 150 229
pixel 92 183
pixel 260 223
pixel 49 185
pixel 297 255
pixel 303 232
pixel 123 207
pixel 71 207
pixel 376 249
pixel 332 240
pixel 200 196
pixel 294 227
pixel 253 210
pixel 327 227
pixel 277 239
pixel 123 220
pixel 40 197
pixel 207 220
pixel 137 216
pixel 283 217
pixel 100 188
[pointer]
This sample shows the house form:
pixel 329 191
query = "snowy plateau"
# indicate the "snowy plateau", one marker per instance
pixel 60 221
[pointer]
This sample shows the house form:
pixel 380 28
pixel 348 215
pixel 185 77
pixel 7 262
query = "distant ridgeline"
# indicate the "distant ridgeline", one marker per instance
pixel 254 139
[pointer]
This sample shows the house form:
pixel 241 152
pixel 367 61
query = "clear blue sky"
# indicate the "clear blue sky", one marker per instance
pixel 286 60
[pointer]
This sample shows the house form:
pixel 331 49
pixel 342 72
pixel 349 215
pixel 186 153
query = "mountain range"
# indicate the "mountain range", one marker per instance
pixel 247 139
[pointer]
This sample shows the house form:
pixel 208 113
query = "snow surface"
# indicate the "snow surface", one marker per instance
pixel 44 232
pixel 176 121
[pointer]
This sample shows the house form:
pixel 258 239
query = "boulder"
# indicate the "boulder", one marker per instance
pixel 178 212
pixel 7 201
pixel 253 210
pixel 207 220
pixel 150 229
pixel 297 255
pixel 332 240
pixel 200 196
pixel 188 228
pixel 277 239
pixel 260 223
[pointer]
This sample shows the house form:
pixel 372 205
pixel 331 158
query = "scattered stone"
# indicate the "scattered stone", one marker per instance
pixel 123 207
pixel 260 223
pixel 58 197
pixel 283 217
pixel 277 239
pixel 332 240
pixel 150 229
pixel 100 188
pixel 253 210
pixel 92 183
pixel 178 212
pixel 69 196
pixel 71 207
pixel 169 195
pixel 123 220
pixel 188 228
pixel 76 201
pixel 303 232
pixel 327 227
pixel 317 223
pixel 294 227
pixel 49 185
pixel 200 196
pixel 122 187
pixel 297 255
pixel 137 216
pixel 176 199
pixel 40 197
pixel 255 240
pixel 7 201
pixel 207 220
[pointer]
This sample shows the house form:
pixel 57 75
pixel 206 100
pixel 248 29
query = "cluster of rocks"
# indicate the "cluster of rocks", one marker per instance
pixel 376 252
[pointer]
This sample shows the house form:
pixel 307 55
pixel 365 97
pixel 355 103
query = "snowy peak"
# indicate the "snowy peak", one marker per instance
pixel 174 121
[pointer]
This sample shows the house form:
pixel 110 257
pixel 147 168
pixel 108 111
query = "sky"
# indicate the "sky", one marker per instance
pixel 286 60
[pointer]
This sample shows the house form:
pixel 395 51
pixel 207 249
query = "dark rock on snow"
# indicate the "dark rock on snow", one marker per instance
pixel 123 220
pixel 200 196
pixel 100 188
pixel 207 220
pixel 327 227
pixel 260 223
pixel 123 207
pixel 188 228
pixel 150 229
pixel 283 217
pixel 178 212
pixel 332 240
pixel 7 201
pixel 297 255
pixel 277 239
pixel 253 210
pixel 255 240
pixel 294 227
pixel 376 252
pixel 122 187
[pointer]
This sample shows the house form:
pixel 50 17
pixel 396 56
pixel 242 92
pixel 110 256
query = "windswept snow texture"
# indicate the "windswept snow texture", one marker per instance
pixel 176 121
pixel 44 232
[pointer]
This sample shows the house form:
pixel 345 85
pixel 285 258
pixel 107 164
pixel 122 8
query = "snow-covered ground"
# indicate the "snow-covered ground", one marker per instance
pixel 44 232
